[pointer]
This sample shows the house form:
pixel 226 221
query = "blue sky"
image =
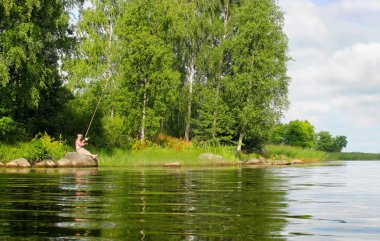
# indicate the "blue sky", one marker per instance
pixel 336 69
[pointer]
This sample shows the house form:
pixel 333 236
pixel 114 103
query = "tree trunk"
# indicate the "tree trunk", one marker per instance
pixel 143 114
pixel 240 143
pixel 191 70
pixel 214 114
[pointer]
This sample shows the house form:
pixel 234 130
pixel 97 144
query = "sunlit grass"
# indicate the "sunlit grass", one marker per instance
pixel 155 156
pixel 291 152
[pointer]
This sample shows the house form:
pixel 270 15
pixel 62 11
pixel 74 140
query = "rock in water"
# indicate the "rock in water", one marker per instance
pixel 45 163
pixel 255 161
pixel 64 162
pixel 21 162
pixel 78 160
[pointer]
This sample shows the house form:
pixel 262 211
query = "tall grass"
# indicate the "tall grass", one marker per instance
pixel 154 156
pixel 290 152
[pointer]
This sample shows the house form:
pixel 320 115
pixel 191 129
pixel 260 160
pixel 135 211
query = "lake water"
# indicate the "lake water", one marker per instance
pixel 338 201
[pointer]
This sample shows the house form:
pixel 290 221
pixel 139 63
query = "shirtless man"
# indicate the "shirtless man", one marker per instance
pixel 79 145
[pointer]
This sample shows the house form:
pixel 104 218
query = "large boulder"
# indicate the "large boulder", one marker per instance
pixel 21 162
pixel 210 156
pixel 75 159
pixel 64 162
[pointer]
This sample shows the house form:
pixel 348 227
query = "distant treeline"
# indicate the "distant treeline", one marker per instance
pixel 302 133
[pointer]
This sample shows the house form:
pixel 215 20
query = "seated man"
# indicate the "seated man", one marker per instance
pixel 79 145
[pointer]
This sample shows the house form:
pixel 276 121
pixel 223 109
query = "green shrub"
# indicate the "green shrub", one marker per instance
pixel 41 147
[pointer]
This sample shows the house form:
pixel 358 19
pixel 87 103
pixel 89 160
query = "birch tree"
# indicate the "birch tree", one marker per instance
pixel 149 80
pixel 259 83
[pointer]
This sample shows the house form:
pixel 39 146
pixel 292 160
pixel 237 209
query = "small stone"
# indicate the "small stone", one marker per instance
pixel 172 164
pixel 283 163
pixel 39 164
pixel 255 161
pixel 50 163
pixel 296 161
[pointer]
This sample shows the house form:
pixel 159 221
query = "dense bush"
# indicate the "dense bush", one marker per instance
pixel 41 147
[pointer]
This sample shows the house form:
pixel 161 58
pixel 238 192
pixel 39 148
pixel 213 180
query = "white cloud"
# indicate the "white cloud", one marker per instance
pixel 336 74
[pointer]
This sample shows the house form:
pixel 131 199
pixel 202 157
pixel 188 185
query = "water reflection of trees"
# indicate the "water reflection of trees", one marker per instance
pixel 45 203
pixel 225 204
pixel 174 204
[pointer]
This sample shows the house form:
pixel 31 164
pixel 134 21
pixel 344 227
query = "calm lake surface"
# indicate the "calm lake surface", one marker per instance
pixel 338 201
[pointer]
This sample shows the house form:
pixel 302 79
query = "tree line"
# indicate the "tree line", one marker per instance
pixel 302 133
pixel 213 72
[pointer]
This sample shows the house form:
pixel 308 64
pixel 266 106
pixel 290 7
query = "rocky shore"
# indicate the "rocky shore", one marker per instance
pixel 75 159
pixel 70 159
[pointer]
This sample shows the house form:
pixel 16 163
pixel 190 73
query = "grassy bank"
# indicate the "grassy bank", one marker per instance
pixel 281 152
pixel 175 151
pixel 154 156
pixel 354 156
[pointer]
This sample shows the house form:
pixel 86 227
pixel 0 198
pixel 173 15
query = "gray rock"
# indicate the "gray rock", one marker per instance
pixel 50 163
pixel 296 161
pixel 255 161
pixel 64 162
pixel 281 162
pixel 21 162
pixel 210 156
pixel 45 163
pixel 11 164
pixel 39 164
pixel 80 160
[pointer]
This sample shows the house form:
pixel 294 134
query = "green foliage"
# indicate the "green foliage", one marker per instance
pixel 340 142
pixel 34 36
pixel 7 127
pixel 278 134
pixel 212 70
pixel 258 86
pixel 325 142
pixel 41 147
pixel 300 133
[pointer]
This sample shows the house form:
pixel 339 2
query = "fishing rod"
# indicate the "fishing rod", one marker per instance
pixel 92 118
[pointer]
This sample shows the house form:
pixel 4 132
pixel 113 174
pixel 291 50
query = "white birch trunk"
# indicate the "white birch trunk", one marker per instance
pixel 240 142
pixel 143 114
pixel 191 71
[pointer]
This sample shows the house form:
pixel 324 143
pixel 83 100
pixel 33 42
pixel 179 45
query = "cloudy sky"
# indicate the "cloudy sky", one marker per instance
pixel 335 73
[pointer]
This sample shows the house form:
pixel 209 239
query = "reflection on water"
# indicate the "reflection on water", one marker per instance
pixel 224 204
pixel 291 203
